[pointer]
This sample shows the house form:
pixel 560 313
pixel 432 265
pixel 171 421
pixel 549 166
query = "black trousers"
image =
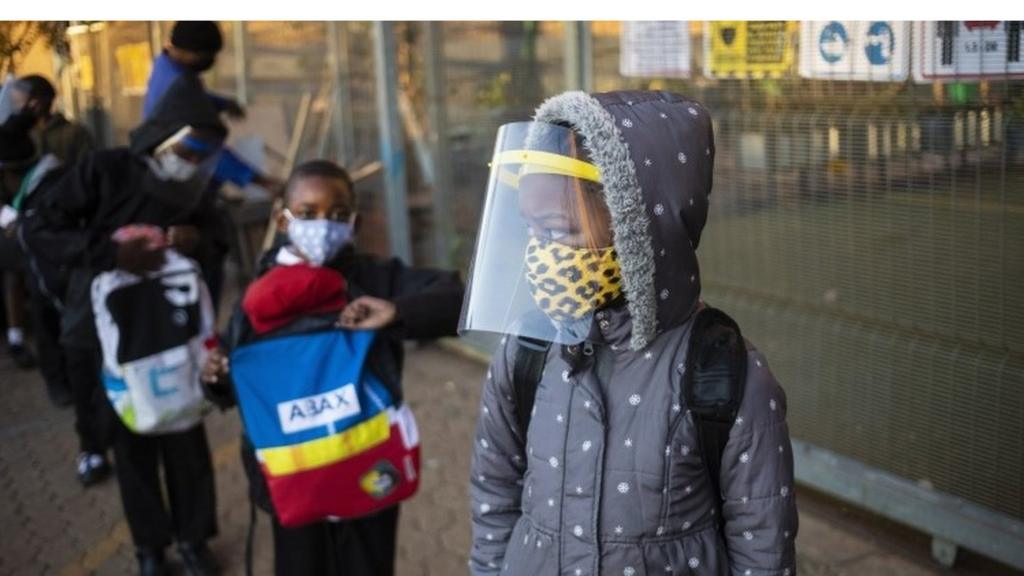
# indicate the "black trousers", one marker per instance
pixel 363 547
pixel 212 268
pixel 188 474
pixel 213 248
pixel 46 323
pixel 93 413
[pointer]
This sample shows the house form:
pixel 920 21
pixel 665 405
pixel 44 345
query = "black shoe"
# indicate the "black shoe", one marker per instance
pixel 23 357
pixel 198 559
pixel 92 468
pixel 60 396
pixel 151 562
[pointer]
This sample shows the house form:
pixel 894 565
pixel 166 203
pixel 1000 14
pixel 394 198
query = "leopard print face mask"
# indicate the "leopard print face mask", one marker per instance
pixel 568 283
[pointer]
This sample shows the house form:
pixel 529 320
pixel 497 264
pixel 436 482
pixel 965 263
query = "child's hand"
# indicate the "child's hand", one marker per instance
pixel 216 367
pixel 367 313
pixel 138 257
pixel 183 238
pixel 234 110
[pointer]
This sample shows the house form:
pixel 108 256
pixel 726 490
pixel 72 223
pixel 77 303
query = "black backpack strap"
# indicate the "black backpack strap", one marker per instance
pixel 531 354
pixel 713 384
pixel 250 538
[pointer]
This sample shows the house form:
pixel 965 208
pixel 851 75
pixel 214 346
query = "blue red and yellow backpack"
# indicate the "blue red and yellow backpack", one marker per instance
pixel 332 441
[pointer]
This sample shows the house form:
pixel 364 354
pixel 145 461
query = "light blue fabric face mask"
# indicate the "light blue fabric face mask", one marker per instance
pixel 318 240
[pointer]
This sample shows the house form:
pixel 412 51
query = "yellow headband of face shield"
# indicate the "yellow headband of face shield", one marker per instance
pixel 537 162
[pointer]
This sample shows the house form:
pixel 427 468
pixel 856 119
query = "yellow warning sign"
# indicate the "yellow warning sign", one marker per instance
pixel 749 48
pixel 85 73
pixel 134 63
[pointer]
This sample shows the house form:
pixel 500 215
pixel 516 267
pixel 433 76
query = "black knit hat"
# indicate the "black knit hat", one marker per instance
pixel 16 147
pixel 197 36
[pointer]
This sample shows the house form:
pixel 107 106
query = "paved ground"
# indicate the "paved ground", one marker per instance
pixel 50 525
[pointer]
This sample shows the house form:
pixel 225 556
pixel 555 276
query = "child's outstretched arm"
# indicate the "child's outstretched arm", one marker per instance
pixel 367 313
pixel 757 480
pixel 497 469
pixel 427 301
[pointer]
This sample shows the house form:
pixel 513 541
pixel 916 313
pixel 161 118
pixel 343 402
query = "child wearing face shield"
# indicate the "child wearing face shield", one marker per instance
pixel 626 426
pixel 315 275
pixel 155 183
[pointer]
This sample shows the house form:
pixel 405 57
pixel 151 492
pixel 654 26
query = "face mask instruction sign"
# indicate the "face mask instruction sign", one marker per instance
pixel 855 50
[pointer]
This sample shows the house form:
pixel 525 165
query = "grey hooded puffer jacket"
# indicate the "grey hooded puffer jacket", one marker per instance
pixel 609 480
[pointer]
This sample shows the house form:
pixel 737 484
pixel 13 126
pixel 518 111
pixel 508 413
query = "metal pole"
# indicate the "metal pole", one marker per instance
pixel 61 72
pixel 73 93
pixel 241 70
pixel 438 136
pixel 156 38
pixel 102 74
pixel 572 57
pixel 579 62
pixel 392 152
pixel 341 120
pixel 586 56
pixel 295 146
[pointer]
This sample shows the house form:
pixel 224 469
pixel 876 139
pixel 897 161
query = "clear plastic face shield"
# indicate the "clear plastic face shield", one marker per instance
pixel 180 168
pixel 544 260
pixel 7 104
pixel 185 156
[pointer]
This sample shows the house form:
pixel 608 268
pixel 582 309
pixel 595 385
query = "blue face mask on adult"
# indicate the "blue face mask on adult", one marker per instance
pixel 319 241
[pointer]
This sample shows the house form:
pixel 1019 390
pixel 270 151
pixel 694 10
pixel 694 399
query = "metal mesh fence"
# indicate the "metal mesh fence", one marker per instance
pixel 868 235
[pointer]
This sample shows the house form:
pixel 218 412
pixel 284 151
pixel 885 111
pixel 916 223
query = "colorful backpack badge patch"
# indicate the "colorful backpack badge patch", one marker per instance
pixel 381 480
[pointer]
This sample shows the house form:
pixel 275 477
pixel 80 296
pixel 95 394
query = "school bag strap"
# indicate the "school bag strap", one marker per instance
pixel 713 384
pixel 531 354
